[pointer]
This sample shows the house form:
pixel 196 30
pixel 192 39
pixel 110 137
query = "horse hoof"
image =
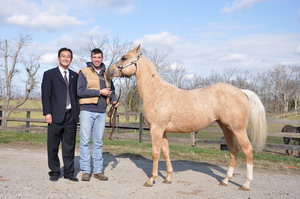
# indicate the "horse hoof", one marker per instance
pixel 148 184
pixel 242 188
pixel 167 181
pixel 222 183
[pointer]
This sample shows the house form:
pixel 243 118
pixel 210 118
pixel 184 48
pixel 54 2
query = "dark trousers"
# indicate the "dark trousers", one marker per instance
pixel 64 132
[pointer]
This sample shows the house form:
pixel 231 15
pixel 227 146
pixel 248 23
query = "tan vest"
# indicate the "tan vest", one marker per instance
pixel 93 82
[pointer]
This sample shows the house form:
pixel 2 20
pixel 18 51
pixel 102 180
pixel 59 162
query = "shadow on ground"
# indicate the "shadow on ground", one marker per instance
pixel 145 165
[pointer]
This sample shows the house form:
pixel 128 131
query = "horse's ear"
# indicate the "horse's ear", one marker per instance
pixel 138 48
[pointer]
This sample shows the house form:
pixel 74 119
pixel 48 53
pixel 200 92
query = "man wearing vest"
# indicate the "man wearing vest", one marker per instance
pixel 95 92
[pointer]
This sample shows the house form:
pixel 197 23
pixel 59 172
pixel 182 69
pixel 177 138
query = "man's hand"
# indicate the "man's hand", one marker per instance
pixel 106 92
pixel 116 104
pixel 48 118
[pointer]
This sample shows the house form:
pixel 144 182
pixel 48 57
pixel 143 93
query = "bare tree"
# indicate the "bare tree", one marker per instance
pixel 279 87
pixel 194 82
pixel 243 81
pixel 175 74
pixel 128 96
pixel 295 78
pixel 2 86
pixel 213 78
pixel 112 48
pixel 297 101
pixel 132 99
pixel 159 58
pixel 13 63
pixel 285 85
pixel 228 74
pixel 263 87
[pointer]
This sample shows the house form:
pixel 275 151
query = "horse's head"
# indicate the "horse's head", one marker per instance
pixel 126 66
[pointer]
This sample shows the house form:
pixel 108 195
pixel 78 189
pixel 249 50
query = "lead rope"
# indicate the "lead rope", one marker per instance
pixel 112 114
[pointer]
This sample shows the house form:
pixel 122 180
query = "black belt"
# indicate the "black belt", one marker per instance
pixel 68 110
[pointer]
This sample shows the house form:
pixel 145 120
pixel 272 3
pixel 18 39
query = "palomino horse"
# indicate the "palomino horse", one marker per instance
pixel 170 109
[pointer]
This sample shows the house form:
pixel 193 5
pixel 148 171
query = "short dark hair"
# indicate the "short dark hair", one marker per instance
pixel 65 49
pixel 96 51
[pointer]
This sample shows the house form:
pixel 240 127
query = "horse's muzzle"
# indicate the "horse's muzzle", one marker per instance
pixel 110 72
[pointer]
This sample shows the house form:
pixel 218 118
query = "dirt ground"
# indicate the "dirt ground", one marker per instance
pixel 24 174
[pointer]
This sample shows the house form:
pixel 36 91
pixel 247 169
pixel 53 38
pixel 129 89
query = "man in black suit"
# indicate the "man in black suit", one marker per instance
pixel 61 111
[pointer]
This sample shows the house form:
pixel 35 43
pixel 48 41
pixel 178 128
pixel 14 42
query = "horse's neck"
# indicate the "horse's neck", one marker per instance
pixel 148 79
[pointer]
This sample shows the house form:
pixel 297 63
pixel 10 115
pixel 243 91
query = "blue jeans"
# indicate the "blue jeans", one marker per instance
pixel 91 124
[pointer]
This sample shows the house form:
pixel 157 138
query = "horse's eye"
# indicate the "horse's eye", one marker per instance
pixel 123 58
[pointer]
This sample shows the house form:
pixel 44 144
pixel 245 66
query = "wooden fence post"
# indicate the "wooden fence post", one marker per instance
pixel 193 139
pixel 141 128
pixel 118 121
pixel 28 117
pixel 0 116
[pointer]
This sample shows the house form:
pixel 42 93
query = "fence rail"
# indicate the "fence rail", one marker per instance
pixel 41 126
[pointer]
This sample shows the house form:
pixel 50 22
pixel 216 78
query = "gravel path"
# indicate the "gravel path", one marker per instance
pixel 23 174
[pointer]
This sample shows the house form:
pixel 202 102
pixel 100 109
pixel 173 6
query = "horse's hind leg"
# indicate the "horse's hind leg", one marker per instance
pixel 233 150
pixel 166 154
pixel 292 151
pixel 298 140
pixel 156 139
pixel 244 143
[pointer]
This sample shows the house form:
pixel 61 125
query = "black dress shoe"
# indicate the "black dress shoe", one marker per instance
pixel 53 178
pixel 74 179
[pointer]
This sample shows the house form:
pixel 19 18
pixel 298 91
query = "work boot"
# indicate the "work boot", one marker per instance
pixel 85 177
pixel 100 176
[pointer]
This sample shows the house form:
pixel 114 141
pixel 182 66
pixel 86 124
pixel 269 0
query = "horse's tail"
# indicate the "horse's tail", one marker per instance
pixel 258 120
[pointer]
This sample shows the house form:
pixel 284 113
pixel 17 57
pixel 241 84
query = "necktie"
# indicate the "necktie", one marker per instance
pixel 68 92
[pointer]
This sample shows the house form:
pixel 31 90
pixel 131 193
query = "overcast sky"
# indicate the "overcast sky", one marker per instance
pixel 203 35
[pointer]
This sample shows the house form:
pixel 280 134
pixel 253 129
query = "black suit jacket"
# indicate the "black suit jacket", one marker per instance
pixel 54 93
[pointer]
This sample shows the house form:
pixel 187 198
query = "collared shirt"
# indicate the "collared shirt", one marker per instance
pixel 97 71
pixel 62 71
pixel 100 71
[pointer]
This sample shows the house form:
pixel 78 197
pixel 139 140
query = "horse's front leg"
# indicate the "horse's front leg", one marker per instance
pixel 166 154
pixel 287 141
pixel 156 139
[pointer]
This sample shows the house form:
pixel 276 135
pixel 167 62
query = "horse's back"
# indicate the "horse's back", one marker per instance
pixel 290 129
pixel 220 93
pixel 229 101
pixel 221 87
